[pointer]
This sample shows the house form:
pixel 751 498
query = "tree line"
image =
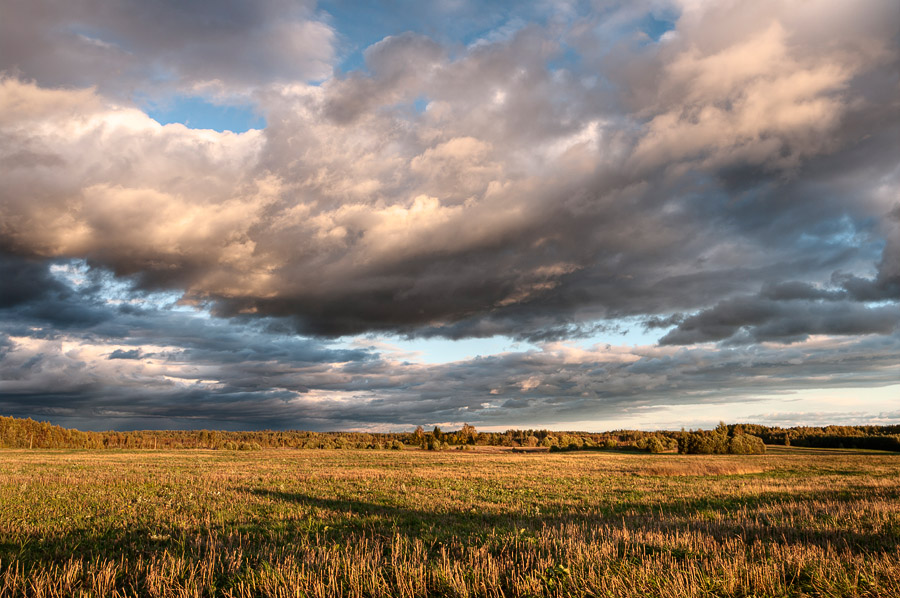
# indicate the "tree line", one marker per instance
pixel 731 439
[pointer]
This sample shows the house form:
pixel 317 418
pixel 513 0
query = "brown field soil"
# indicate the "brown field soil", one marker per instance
pixel 419 523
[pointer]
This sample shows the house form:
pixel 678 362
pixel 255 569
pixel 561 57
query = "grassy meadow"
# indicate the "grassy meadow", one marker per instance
pixel 794 522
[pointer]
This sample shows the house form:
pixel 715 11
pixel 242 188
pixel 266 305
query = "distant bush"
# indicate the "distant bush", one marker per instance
pixel 720 441
pixel 656 443
pixel 570 442
pixel 396 445
pixel 745 444
pixel 704 442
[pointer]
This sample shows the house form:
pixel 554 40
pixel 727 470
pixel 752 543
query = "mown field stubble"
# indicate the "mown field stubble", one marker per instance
pixel 415 523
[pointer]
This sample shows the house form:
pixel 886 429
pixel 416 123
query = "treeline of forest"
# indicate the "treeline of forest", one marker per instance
pixel 733 439
pixel 882 438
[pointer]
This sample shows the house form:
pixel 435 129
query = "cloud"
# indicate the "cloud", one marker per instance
pixel 229 46
pixel 122 354
pixel 147 362
pixel 516 206
pixel 154 366
pixel 749 103
pixel 26 281
pixel 757 319
pixel 732 181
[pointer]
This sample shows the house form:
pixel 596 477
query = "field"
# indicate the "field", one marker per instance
pixel 797 522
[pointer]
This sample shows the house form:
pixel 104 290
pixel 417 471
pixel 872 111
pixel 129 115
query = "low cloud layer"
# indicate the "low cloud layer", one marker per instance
pixel 73 355
pixel 732 183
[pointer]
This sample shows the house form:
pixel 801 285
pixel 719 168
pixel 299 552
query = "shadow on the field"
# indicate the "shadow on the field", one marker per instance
pixel 322 521
pixel 713 516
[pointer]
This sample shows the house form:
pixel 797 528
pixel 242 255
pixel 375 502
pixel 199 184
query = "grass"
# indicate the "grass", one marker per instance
pixel 417 523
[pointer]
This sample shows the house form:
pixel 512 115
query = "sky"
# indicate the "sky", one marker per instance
pixel 375 215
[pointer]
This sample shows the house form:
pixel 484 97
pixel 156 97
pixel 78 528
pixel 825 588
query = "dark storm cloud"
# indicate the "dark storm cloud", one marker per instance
pixel 29 292
pixel 122 354
pixel 884 288
pixel 785 291
pixel 25 281
pixel 760 319
pixel 660 322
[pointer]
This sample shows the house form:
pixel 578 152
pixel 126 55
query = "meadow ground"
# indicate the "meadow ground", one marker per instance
pixel 414 523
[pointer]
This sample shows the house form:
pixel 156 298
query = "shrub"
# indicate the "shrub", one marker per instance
pixel 717 442
pixel 745 444
pixel 655 445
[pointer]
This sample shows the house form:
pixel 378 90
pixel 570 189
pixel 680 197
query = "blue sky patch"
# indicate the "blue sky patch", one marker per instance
pixel 198 113
pixel 656 26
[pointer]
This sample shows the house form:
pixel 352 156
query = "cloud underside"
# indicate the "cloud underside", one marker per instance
pixel 137 365
pixel 732 185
